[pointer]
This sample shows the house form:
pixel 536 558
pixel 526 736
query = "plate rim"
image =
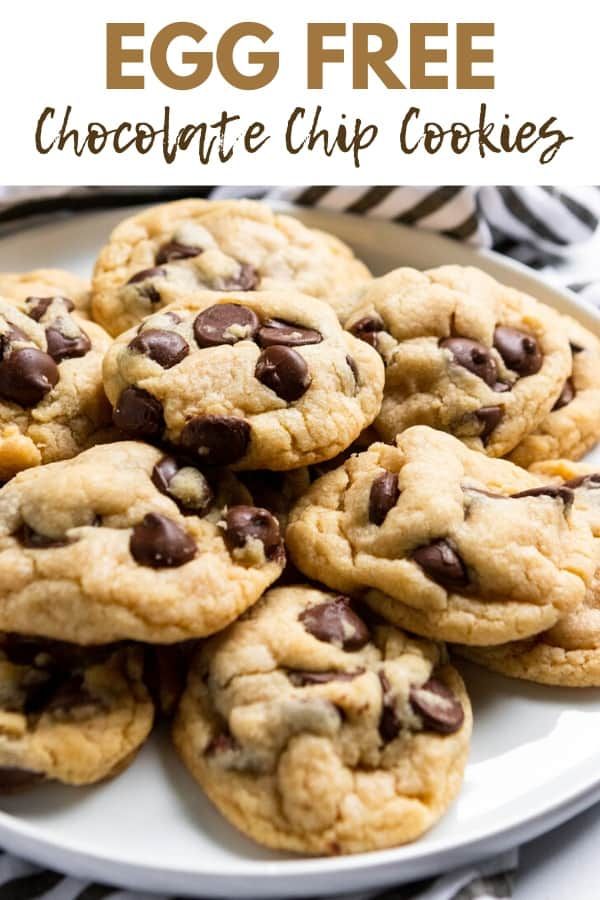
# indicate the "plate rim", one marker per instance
pixel 373 867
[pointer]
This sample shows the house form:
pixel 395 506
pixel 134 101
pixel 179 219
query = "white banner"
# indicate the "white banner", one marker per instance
pixel 129 92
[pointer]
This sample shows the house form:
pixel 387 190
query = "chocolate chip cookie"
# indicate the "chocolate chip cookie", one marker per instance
pixel 67 713
pixel 464 354
pixel 314 731
pixel 165 253
pixel 51 396
pixel 267 380
pixel 445 541
pixel 123 542
pixel 573 425
pixel 44 283
pixel 567 654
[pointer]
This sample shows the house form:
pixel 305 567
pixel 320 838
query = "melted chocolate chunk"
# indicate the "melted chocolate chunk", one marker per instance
pixel 247 279
pixel 38 306
pixel 284 372
pixel 490 417
pixel 33 540
pixel 555 492
pixel 163 473
pixel 26 376
pixel 286 334
pixel 139 414
pixel 383 496
pixel 566 396
pixel 389 724
pixel 225 323
pixel 160 543
pixel 441 562
pixel 245 523
pixel 335 622
pixel 61 346
pixel 167 348
pixel 592 480
pixel 520 351
pixel 145 274
pixel 174 250
pixel 474 357
pixel 367 329
pixel 439 709
pixel 218 440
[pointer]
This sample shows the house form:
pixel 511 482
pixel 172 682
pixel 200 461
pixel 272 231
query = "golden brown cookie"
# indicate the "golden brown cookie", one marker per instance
pixel 315 732
pixel 165 253
pixel 464 354
pixel 445 541
pixel 568 654
pixel 573 425
pixel 67 713
pixel 125 543
pixel 52 401
pixel 44 283
pixel 265 380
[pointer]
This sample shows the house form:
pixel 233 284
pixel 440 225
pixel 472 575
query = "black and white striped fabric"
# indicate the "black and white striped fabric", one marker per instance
pixel 551 228
pixel 20 880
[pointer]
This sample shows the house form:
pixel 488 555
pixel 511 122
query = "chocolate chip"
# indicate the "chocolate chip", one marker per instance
pixel 244 523
pixel 61 346
pixel 201 498
pixel 167 348
pixel 8 338
pixel 174 250
pixel 555 492
pixel 566 395
pixel 300 678
pixel 145 274
pixel 163 472
pixel 336 623
pixel 286 334
pixel 367 328
pixel 440 710
pixel 440 562
pixel 218 440
pixel 389 724
pixel 284 372
pixel 575 348
pixel 354 369
pixel 247 279
pixel 383 496
pixel 37 306
pixel 139 414
pixel 489 416
pixel 592 479
pixel 26 376
pixel 474 357
pixel 520 351
pixel 13 779
pixel 225 323
pixel 33 540
pixel 160 543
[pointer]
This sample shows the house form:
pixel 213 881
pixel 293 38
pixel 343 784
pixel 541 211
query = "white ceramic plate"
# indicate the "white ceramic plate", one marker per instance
pixel 535 755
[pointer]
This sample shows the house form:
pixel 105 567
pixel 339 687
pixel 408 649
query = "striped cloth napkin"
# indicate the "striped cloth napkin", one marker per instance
pixel 553 229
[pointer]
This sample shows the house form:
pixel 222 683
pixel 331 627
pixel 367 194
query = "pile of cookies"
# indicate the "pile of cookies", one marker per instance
pixel 249 487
